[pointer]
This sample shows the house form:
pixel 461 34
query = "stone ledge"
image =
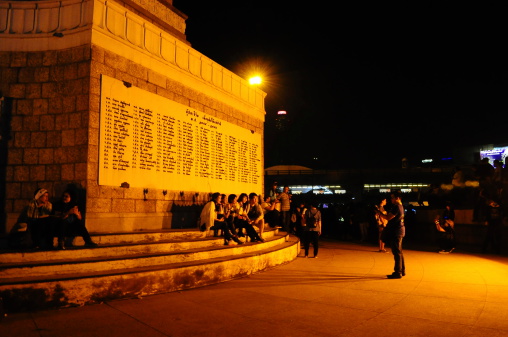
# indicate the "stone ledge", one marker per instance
pixel 127 222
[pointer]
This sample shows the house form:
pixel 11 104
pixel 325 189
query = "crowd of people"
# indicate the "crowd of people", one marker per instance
pixel 229 216
pixel 247 215
pixel 233 217
pixel 491 202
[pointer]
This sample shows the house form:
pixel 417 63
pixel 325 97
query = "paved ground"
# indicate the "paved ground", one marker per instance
pixel 342 293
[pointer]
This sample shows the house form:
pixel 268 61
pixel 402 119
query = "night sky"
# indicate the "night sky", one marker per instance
pixel 364 86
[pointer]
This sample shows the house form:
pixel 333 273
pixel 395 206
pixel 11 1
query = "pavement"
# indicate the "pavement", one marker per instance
pixel 344 292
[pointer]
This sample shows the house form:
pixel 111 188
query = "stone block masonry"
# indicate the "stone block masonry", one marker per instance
pixel 54 135
pixel 47 140
pixel 53 89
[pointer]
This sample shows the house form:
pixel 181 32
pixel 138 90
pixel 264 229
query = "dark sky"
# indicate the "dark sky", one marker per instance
pixel 365 85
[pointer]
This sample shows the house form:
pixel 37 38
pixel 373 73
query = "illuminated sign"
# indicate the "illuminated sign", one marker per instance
pixel 497 153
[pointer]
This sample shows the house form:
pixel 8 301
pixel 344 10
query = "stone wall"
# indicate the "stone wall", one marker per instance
pixel 112 208
pixel 49 117
pixel 55 136
pixel 52 82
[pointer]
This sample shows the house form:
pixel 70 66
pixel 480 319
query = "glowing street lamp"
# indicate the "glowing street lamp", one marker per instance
pixel 255 80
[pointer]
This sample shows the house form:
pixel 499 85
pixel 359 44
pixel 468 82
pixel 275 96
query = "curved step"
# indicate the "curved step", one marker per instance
pixel 67 280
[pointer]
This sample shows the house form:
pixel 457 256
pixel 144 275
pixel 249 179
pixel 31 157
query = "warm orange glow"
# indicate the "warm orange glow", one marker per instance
pixel 256 80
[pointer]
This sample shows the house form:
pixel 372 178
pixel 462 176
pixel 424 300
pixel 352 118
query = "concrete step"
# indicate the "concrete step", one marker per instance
pixel 106 258
pixel 123 267
pixel 121 245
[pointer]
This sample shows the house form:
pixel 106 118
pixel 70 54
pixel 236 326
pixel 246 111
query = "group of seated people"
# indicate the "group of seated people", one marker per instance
pixel 234 217
pixel 46 221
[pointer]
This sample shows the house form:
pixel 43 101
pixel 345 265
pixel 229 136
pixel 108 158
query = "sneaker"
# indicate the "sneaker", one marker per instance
pixel 394 276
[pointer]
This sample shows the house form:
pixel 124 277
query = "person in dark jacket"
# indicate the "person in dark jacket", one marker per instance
pixel 311 229
pixel 394 233
pixel 445 226
pixel 69 221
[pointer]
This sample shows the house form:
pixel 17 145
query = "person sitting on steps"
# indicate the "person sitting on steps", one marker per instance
pixel 255 214
pixel 40 223
pixel 70 221
pixel 210 221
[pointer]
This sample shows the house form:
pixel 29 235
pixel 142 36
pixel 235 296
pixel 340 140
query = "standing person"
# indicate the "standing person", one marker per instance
pixel 445 225
pixel 299 212
pixel 70 221
pixel 497 177
pixel 448 224
pixel 273 192
pixel 485 173
pixel 361 218
pixel 381 222
pixel 311 229
pixel 505 173
pixel 394 233
pixel 494 223
pixel 445 239
pixel 40 224
pixel 285 208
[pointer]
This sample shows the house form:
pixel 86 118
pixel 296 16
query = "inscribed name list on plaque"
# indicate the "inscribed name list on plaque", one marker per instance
pixel 150 141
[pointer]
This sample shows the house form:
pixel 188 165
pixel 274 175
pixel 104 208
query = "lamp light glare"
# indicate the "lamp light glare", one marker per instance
pixel 255 80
